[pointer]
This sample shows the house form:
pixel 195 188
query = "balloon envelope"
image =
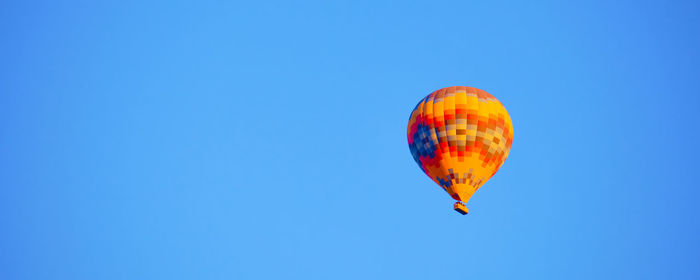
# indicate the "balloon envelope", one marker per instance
pixel 460 137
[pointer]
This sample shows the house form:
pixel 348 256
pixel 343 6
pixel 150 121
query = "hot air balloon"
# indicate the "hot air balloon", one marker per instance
pixel 460 137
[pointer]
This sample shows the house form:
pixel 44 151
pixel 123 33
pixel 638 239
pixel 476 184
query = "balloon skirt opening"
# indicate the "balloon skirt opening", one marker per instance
pixel 459 207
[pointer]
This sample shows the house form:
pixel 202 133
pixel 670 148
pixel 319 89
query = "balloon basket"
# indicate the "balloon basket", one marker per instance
pixel 459 207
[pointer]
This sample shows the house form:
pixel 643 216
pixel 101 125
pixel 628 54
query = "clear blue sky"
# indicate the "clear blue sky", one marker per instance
pixel 266 140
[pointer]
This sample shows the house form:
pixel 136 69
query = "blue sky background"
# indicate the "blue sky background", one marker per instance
pixel 266 140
